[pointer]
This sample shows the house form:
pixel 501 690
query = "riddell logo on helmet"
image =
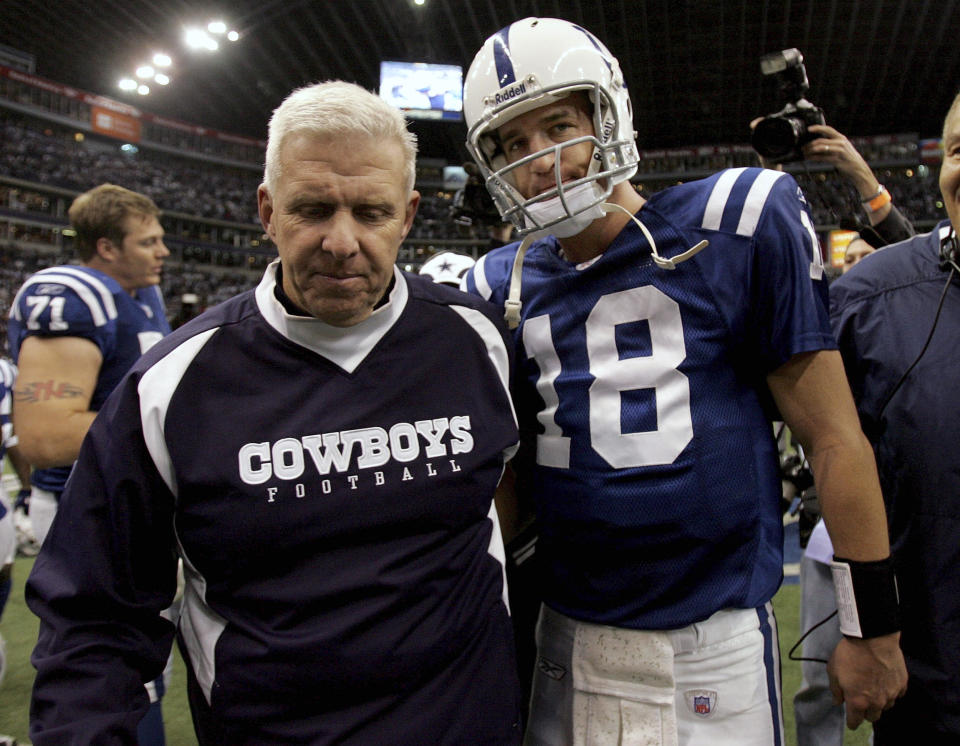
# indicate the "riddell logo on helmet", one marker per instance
pixel 509 92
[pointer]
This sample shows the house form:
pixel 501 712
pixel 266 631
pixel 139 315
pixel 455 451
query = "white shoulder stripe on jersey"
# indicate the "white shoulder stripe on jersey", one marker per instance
pixel 480 278
pixel 498 550
pixel 97 284
pixel 155 390
pixel 816 258
pixel 713 213
pixel 496 350
pixel 200 625
pixel 98 313
pixel 756 199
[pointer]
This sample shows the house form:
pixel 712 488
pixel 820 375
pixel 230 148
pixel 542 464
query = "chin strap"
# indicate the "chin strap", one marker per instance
pixel 657 259
pixel 512 304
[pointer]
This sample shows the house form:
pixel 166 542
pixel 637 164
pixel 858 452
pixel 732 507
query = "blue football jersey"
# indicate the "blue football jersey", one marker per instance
pixel 656 480
pixel 78 301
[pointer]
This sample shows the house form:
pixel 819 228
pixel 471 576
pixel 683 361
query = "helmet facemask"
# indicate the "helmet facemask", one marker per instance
pixel 567 208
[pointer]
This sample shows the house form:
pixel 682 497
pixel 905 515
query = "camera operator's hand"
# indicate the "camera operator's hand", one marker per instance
pixel 833 147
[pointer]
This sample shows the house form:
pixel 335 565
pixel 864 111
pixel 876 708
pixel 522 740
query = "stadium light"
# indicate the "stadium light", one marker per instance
pixel 197 38
pixel 145 71
pixel 127 84
pixel 161 79
pixel 143 90
pixel 162 60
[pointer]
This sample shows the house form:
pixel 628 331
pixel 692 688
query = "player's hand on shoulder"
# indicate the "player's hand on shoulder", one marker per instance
pixel 868 675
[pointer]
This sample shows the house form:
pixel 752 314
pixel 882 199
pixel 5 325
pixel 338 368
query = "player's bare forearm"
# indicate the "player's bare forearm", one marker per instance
pixel 850 498
pixel 815 401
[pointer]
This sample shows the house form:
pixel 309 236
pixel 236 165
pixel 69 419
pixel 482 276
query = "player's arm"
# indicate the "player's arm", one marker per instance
pixel 51 399
pixel 812 394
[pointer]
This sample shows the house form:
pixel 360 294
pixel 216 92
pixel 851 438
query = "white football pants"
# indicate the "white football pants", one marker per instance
pixel 715 682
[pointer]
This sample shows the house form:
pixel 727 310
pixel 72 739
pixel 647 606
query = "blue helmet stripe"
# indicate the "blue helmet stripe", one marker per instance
pixel 593 40
pixel 501 57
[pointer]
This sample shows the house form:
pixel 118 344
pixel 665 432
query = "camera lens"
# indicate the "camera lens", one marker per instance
pixel 777 137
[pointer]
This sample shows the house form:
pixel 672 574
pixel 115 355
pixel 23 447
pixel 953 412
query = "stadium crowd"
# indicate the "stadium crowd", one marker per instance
pixel 51 156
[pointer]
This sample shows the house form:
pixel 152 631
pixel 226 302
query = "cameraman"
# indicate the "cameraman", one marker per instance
pixel 473 208
pixel 833 147
pixel 886 223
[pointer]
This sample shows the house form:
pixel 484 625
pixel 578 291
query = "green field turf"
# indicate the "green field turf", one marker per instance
pixel 19 627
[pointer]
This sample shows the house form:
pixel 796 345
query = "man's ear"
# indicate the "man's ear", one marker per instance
pixel 265 208
pixel 412 203
pixel 107 250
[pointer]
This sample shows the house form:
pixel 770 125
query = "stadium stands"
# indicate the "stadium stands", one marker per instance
pixel 206 186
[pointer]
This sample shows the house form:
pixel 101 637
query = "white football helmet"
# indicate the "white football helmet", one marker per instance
pixel 447 267
pixel 526 65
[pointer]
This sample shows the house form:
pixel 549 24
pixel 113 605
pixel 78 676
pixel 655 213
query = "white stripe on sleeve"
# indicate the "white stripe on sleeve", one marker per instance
pixel 717 202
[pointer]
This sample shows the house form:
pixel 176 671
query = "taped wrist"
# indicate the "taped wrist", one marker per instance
pixel 868 602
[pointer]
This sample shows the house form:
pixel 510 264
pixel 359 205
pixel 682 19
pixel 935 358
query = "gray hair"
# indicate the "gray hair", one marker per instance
pixel 337 108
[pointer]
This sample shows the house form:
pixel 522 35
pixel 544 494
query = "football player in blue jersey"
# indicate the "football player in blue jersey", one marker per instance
pixel 655 341
pixel 74 331
pixel 322 452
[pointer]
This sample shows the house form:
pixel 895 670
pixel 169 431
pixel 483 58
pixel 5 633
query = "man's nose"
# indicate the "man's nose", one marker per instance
pixel 341 236
pixel 546 159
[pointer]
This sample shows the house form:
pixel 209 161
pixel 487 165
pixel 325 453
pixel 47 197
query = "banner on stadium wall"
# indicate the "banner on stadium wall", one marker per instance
pixel 114 124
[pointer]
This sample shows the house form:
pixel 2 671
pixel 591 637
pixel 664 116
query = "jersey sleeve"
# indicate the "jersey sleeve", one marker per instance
pixel 65 302
pixel 107 570
pixel 789 294
pixel 490 276
pixel 152 299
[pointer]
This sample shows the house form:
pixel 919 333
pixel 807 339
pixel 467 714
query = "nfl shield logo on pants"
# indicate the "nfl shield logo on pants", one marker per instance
pixel 703 702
